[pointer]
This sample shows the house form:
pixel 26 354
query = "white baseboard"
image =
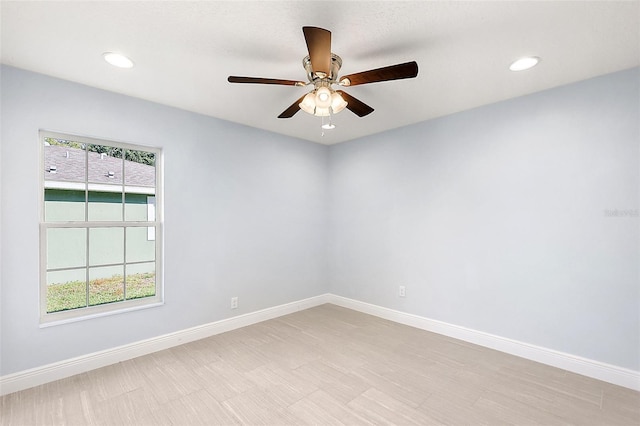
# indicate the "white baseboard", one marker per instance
pixel 586 367
pixel 60 370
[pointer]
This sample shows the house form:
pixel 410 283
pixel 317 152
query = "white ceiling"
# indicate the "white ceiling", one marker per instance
pixel 185 50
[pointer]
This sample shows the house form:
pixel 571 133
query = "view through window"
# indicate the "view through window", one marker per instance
pixel 100 232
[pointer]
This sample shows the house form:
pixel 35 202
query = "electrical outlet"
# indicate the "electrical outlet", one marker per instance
pixel 401 291
pixel 234 302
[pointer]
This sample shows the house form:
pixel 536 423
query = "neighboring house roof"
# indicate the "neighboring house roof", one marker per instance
pixel 67 164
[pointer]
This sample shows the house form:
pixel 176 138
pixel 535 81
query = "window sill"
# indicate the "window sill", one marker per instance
pixel 44 322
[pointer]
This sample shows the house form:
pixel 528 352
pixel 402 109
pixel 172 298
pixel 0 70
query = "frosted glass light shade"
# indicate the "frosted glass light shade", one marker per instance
pixel 322 112
pixel 308 104
pixel 323 97
pixel 337 103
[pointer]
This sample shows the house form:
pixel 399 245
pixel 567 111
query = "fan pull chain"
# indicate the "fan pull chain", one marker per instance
pixel 328 126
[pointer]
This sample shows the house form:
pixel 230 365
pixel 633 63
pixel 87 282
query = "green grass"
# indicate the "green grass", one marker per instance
pixel 73 294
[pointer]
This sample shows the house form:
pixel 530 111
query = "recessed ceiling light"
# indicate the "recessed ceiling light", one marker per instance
pixel 524 63
pixel 117 60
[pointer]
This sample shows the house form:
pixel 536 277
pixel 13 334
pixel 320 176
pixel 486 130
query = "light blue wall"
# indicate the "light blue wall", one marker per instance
pixel 245 216
pixel 496 219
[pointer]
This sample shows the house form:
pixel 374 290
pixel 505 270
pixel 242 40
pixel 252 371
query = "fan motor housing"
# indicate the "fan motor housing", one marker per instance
pixel 336 64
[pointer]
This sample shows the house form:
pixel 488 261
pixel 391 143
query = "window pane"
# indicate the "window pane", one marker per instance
pixel 140 170
pixel 61 205
pixel 106 246
pixel 105 164
pixel 141 280
pixel 106 285
pixel 139 247
pixel 66 247
pixel 64 161
pixel 105 206
pixel 136 207
pixel 66 290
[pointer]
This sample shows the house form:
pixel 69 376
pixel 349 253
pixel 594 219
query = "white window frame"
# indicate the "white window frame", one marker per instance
pixel 154 226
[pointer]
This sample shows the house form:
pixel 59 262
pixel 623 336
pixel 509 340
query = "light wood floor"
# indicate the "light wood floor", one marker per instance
pixel 326 365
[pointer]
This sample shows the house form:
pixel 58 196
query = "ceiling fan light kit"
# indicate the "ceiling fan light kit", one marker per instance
pixel 322 102
pixel 322 67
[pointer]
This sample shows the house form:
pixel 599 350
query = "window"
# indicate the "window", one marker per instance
pixel 101 227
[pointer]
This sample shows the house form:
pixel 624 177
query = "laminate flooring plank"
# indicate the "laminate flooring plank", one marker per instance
pixel 113 380
pixel 343 387
pixel 285 387
pixel 622 400
pixel 513 412
pixel 195 354
pixel 198 408
pixel 223 381
pixel 373 377
pixel 320 408
pixel 342 356
pixel 289 355
pixel 130 408
pixel 258 407
pixel 453 411
pixel 170 382
pixel 380 408
pixel 245 358
pixel 18 407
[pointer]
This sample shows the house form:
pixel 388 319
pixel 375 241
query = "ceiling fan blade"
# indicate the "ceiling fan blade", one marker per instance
pixel 393 72
pixel 259 80
pixel 291 111
pixel 356 106
pixel 319 46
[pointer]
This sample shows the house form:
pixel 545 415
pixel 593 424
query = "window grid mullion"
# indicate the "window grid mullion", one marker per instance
pixel 86 218
pixel 87 267
pixel 124 249
pixel 124 265
pixel 74 268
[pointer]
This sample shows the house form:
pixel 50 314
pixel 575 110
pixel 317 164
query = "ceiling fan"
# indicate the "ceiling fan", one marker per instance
pixel 322 68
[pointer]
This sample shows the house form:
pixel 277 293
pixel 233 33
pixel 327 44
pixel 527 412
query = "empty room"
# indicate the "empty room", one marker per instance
pixel 318 212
